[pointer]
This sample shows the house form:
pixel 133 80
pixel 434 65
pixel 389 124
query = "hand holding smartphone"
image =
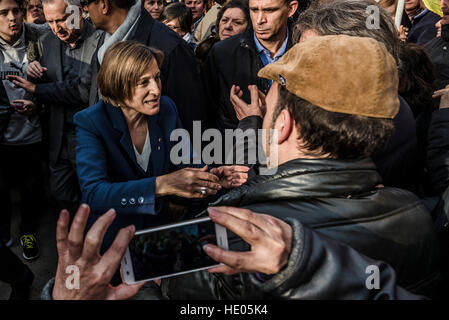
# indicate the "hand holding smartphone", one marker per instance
pixel 17 106
pixel 172 250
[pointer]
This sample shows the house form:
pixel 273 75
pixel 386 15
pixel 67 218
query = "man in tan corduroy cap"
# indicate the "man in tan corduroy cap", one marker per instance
pixel 330 115
pixel 332 103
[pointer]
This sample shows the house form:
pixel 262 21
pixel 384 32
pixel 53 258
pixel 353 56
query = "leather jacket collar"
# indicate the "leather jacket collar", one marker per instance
pixel 307 178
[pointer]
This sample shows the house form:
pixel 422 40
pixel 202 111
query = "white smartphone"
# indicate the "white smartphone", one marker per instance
pixel 171 250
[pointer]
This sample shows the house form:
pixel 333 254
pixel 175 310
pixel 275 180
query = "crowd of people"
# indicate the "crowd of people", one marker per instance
pixel 107 105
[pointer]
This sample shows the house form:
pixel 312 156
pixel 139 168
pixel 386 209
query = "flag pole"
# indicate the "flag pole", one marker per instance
pixel 399 12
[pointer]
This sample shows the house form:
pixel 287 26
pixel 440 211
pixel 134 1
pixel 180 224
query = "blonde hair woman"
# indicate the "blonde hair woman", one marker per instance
pixel 124 148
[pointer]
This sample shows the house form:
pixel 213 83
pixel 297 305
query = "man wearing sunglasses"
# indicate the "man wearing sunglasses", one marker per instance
pixel 128 20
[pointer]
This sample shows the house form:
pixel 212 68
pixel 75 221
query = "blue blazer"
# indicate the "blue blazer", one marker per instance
pixel 107 168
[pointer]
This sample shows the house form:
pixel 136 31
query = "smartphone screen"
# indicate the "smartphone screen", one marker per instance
pixel 171 250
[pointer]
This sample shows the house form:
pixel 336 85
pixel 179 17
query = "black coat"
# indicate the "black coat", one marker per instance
pixel 179 74
pixel 340 200
pixel 438 51
pixel 423 28
pixel 438 150
pixel 397 161
pixel 51 51
pixel 231 61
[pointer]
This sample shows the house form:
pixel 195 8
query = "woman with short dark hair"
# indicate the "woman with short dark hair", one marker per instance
pixel 154 7
pixel 232 19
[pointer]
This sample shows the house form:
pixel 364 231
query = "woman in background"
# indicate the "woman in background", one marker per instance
pixel 232 19
pixel 154 7
pixel 178 17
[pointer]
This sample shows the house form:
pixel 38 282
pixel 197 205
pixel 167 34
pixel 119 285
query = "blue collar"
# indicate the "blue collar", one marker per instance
pixel 422 13
pixel 265 54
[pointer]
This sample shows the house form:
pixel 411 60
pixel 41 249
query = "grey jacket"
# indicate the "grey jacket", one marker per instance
pixel 50 51
pixel 21 129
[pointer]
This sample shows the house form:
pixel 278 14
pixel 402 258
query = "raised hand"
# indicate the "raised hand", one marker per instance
pixel 257 106
pixel 83 253
pixel 269 237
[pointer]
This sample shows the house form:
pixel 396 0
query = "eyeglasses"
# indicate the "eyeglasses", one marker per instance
pixel 86 3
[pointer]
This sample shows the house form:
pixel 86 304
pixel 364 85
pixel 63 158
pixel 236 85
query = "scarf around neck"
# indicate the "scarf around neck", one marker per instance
pixel 124 32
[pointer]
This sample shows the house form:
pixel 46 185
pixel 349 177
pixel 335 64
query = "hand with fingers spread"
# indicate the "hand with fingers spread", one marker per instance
pixel 188 183
pixel 257 106
pixel 95 271
pixel 35 70
pixel 444 95
pixel 20 82
pixel 231 176
pixel 269 237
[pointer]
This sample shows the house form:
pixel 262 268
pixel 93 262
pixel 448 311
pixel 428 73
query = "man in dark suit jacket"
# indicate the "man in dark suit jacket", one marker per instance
pixel 128 20
pixel 66 54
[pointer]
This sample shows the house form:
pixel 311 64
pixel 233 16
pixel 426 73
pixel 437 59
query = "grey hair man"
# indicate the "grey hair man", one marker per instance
pixel 65 54
pixel 64 18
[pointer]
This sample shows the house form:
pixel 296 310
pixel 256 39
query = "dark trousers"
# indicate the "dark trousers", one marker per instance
pixel 12 268
pixel 20 167
pixel 64 185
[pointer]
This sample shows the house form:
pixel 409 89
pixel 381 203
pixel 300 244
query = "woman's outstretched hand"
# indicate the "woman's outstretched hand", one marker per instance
pixel 188 183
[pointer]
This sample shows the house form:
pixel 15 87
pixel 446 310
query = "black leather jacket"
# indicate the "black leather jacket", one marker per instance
pixel 320 258
pixel 340 200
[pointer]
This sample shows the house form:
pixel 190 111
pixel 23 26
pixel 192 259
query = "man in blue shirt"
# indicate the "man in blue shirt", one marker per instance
pixel 237 60
pixel 265 54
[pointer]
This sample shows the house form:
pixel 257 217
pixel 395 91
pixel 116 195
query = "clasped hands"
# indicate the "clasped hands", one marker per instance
pixel 198 183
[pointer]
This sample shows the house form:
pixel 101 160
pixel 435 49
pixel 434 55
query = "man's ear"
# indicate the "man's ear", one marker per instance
pixel 105 6
pixel 284 124
pixel 292 7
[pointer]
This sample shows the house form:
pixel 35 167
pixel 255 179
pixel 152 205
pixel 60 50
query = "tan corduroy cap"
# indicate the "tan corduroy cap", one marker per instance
pixel 353 75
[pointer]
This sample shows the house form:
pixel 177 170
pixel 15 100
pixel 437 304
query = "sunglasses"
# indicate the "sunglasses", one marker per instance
pixel 86 3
